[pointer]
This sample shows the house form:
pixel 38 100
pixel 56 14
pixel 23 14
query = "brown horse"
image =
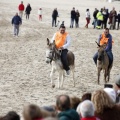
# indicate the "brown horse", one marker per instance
pixel 103 63
pixel 53 56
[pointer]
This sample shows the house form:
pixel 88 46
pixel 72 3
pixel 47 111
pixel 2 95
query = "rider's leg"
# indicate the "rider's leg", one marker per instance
pixel 64 59
pixel 95 57
pixel 110 56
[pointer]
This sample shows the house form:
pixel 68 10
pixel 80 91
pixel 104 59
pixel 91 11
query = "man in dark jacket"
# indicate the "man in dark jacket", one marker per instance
pixel 64 110
pixel 73 16
pixel 54 17
pixel 95 18
pixel 16 21
pixel 105 37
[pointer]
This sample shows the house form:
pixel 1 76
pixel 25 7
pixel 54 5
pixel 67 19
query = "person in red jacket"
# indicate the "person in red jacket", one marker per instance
pixel 21 9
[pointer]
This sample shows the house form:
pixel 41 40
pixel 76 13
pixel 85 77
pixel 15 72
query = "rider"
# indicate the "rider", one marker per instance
pixel 62 41
pixel 105 37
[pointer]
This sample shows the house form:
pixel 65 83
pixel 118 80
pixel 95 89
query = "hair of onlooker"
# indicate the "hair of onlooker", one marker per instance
pixel 74 101
pixel 11 115
pixel 32 112
pixel 87 109
pixel 63 102
pixel 101 101
pixel 86 96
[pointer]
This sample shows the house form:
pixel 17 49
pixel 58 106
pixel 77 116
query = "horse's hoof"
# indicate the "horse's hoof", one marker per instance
pixel 53 86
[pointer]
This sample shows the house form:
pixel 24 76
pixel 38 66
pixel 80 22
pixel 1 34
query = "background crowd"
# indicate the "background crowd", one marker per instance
pixel 102 18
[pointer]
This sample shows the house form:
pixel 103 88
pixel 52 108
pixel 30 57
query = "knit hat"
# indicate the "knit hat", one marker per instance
pixel 117 80
pixel 111 93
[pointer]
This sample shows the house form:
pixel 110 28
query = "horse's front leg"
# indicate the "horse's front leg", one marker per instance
pixel 51 76
pixel 105 75
pixel 99 70
pixel 72 69
pixel 62 78
pixel 59 78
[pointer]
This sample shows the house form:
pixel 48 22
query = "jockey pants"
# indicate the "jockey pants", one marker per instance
pixel 64 59
pixel 110 56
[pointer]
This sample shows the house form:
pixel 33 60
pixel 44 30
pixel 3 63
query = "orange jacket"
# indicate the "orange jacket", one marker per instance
pixel 60 39
pixel 103 39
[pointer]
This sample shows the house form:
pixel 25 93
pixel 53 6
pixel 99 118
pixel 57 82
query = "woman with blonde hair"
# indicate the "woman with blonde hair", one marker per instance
pixel 105 107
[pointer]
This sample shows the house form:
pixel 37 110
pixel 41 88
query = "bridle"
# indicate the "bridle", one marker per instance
pixel 55 54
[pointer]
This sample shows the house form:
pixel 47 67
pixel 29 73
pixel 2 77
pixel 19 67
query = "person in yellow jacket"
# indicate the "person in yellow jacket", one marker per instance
pixel 99 19
pixel 62 41
pixel 105 37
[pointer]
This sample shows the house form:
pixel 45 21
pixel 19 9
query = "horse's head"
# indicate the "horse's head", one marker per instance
pixel 101 51
pixel 51 53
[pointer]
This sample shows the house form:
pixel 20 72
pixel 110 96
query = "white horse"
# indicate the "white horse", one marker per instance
pixel 53 56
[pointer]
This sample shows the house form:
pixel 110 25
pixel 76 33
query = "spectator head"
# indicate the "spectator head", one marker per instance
pixel 63 103
pixel 101 10
pixel 87 9
pixel 21 2
pixel 12 115
pixel 73 8
pixel 32 112
pixel 40 9
pixel 101 101
pixel 86 96
pixel 95 9
pixel 16 14
pixel 74 101
pixel 113 8
pixel 86 109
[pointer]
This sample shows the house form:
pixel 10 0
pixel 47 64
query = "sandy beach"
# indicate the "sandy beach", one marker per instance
pixel 24 74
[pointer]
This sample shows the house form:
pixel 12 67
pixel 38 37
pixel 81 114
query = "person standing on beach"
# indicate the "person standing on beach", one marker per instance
pixel 95 18
pixel 87 17
pixel 16 21
pixel 54 17
pixel 21 9
pixel 73 16
pixel 77 18
pixel 27 11
pixel 40 13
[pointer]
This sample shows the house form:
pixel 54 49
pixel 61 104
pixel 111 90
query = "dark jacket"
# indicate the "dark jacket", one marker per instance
pixel 110 114
pixel 16 20
pixel 70 114
pixel 28 9
pixel 77 15
pixel 118 17
pixel 95 14
pixel 55 14
pixel 73 14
